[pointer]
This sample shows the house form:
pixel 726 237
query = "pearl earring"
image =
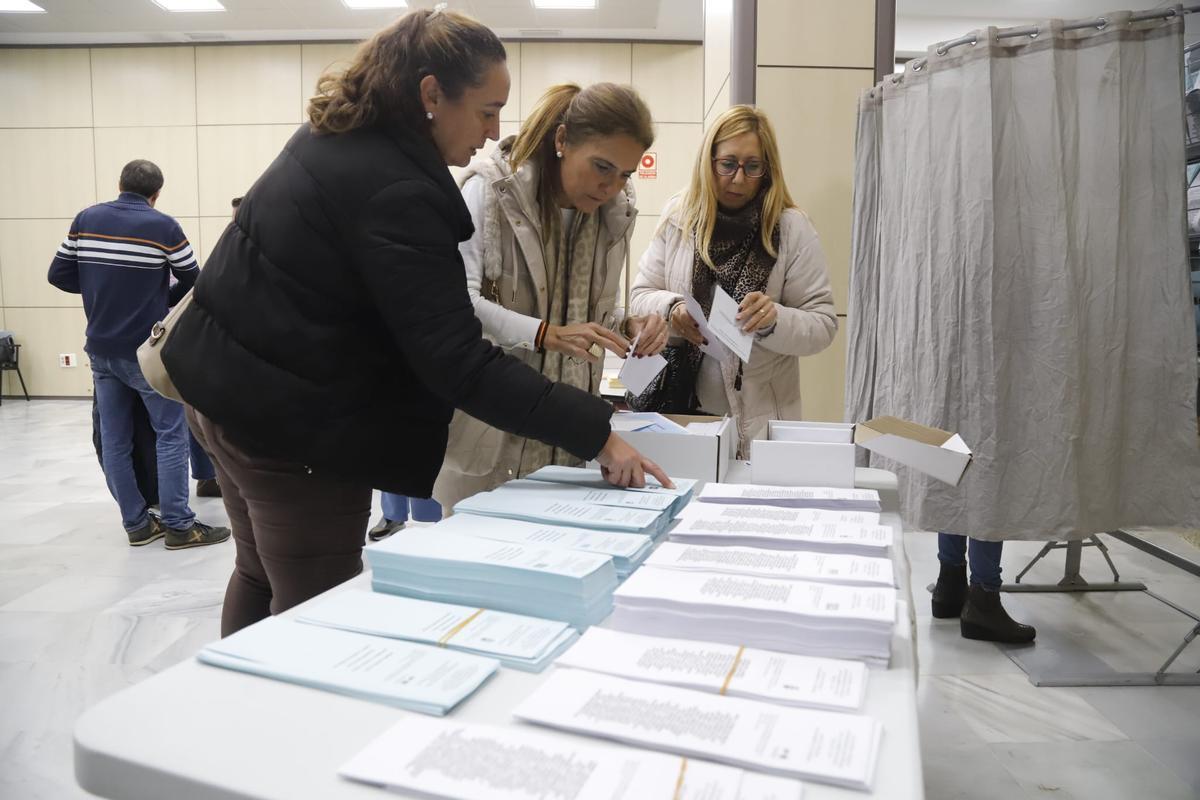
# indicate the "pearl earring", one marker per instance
pixel 558 153
pixel 428 115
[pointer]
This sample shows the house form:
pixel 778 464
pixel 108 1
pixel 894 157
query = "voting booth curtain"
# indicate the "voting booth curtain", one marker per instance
pixel 1020 276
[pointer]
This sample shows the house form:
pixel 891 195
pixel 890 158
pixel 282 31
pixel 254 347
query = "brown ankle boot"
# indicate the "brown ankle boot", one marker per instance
pixel 984 618
pixel 950 591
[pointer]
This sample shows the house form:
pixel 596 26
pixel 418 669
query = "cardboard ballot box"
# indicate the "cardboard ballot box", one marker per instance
pixel 822 453
pixel 704 456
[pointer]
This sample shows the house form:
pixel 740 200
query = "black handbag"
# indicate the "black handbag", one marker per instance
pixel 673 391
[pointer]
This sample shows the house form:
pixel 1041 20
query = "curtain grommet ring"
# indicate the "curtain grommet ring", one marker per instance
pixel 941 51
pixel 1102 23
pixel 1034 34
pixel 974 41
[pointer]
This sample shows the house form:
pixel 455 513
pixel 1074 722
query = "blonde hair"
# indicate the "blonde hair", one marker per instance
pixel 600 110
pixel 383 81
pixel 697 213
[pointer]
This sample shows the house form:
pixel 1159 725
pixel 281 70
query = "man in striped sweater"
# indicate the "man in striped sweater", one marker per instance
pixel 120 256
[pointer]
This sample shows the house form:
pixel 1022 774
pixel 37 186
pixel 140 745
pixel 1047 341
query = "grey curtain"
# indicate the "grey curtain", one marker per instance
pixel 1020 276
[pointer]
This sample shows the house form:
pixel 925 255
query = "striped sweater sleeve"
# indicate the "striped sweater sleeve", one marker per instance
pixel 183 265
pixel 64 269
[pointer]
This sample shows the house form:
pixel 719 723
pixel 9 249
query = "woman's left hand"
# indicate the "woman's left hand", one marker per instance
pixel 654 332
pixel 756 312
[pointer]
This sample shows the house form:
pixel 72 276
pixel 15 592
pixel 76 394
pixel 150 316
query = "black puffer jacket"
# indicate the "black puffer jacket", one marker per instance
pixel 331 324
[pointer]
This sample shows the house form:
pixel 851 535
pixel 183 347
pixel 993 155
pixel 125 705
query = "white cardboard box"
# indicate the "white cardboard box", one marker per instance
pixel 822 453
pixel 703 456
pixel 935 452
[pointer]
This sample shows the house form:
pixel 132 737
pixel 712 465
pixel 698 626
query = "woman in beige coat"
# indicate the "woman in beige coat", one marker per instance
pixel 553 214
pixel 736 227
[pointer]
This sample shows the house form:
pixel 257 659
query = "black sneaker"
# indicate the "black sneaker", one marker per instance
pixel 383 529
pixel 152 531
pixel 196 536
pixel 208 487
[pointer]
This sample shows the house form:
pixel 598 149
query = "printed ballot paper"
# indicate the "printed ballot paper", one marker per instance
pixel 829 683
pixel 516 640
pixel 418 677
pixel 768 563
pixel 637 373
pixel 791 496
pixel 823 746
pixel 724 325
pixel 593 479
pixel 464 761
pixel 777 528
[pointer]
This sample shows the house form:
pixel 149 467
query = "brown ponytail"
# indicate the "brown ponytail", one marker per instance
pixel 382 83
pixel 602 109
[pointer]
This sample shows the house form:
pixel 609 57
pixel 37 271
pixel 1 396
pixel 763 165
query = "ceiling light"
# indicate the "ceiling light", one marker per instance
pixel 20 7
pixel 190 5
pixel 360 5
pixel 558 5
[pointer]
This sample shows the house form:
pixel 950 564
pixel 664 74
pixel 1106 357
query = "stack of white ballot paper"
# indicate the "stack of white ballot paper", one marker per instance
pixel 418 677
pixel 828 683
pixel 804 617
pixel 823 746
pixel 792 496
pixel 766 563
pixel 550 582
pixel 463 761
pixel 775 528
pixel 517 641
pixel 592 479
pixel 627 550
pixel 574 506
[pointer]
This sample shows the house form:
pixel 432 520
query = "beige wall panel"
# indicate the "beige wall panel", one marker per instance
pixel 27 247
pixel 247 84
pixel 814 113
pixel 719 104
pixel 643 232
pixel 718 27
pixel 817 33
pixel 676 146
pixel 512 110
pixel 43 333
pixel 231 159
pixel 45 88
pixel 144 86
pixel 315 59
pixel 46 172
pixel 210 230
pixel 544 65
pixel 668 77
pixel 823 380
pixel 173 149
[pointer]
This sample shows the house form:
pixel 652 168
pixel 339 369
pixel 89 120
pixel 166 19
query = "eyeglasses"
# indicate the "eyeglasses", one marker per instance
pixel 729 166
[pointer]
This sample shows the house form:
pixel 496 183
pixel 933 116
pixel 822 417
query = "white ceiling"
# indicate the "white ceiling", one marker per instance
pixel 142 22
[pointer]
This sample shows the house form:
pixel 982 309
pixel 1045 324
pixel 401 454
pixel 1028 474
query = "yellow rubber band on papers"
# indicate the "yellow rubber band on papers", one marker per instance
pixel 732 668
pixel 679 781
pixel 451 633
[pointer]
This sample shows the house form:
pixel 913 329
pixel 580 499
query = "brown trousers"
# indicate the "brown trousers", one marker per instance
pixel 297 532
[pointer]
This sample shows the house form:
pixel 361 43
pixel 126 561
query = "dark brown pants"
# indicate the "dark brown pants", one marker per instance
pixel 297 533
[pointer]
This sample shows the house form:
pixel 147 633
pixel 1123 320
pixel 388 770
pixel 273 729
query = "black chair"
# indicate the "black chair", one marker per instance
pixel 10 359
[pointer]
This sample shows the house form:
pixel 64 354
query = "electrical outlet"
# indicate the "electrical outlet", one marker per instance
pixel 67 360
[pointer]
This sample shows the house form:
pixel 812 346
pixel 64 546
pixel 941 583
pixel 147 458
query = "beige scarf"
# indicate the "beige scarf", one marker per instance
pixel 569 257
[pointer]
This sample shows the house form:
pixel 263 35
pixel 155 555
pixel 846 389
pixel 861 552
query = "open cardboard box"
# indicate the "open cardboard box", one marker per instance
pixel 703 456
pixel 822 453
pixel 935 452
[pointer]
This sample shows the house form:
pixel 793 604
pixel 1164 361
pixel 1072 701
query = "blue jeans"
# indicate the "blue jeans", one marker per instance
pixel 202 466
pixel 396 508
pixel 119 385
pixel 984 558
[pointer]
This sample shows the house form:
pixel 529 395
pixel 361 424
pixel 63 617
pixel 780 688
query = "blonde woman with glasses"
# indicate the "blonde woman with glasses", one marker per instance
pixel 736 227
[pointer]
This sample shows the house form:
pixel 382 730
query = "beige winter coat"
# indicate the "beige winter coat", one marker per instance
pixel 478 456
pixel 799 284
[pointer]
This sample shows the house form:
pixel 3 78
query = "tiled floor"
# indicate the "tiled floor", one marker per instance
pixel 83 615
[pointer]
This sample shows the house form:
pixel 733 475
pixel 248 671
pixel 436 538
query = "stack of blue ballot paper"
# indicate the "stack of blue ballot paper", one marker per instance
pixel 592 479
pixel 578 507
pixel 516 640
pixel 549 582
pixel 419 677
pixel 627 550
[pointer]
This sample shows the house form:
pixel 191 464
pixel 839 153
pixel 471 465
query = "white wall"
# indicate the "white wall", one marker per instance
pixel 213 117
